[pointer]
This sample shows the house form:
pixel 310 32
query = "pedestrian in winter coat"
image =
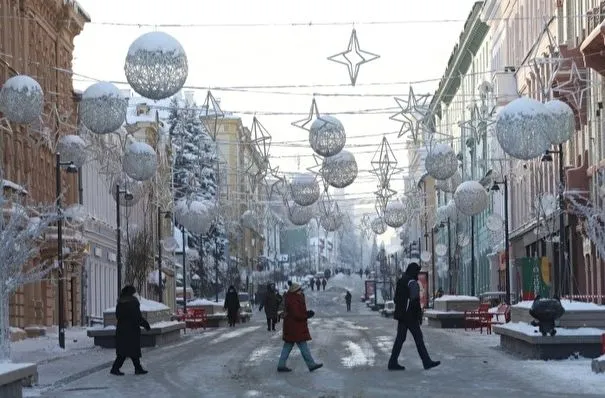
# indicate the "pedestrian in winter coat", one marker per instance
pixel 317 284
pixel 271 305
pixel 128 331
pixel 408 314
pixel 232 305
pixel 296 329
pixel 348 300
pixel 324 283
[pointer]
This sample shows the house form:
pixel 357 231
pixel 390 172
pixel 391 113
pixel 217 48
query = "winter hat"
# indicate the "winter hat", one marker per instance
pixel 294 288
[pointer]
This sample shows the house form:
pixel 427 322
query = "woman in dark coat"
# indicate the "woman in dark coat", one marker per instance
pixel 296 329
pixel 271 306
pixel 128 331
pixel 232 305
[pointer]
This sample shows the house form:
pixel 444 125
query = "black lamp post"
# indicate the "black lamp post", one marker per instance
pixel 70 168
pixel 166 214
pixel 127 196
pixel 547 157
pixel 184 254
pixel 495 188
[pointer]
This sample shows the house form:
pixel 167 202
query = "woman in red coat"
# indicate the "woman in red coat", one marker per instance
pixel 296 329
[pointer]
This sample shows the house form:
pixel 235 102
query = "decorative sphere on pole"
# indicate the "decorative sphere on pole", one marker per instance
pixel 471 198
pixel 563 122
pixel 140 161
pixel 522 128
pixel 156 65
pixel 102 108
pixel 195 215
pixel 21 99
pixel 299 215
pixel 378 226
pixel 441 162
pixel 304 189
pixel 339 170
pixel 135 188
pixel 327 136
pixel 72 149
pixel 395 214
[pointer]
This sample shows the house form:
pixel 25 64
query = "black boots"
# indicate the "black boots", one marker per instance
pixel 431 364
pixel 396 366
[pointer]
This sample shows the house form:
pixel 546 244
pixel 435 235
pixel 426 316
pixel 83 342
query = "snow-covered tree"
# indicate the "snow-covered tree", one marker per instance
pixel 22 230
pixel 373 255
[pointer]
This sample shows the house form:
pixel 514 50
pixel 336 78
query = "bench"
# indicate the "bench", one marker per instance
pixel 163 334
pixel 445 319
pixel 479 318
pixel 13 376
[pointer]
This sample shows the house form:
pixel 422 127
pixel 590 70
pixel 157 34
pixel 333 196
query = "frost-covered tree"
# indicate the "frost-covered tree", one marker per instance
pixel 22 230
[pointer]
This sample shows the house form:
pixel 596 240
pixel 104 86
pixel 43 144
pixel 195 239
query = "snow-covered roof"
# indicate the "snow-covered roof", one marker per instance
pixel 14 186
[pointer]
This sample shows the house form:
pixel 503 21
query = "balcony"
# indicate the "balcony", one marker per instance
pixel 593 46
pixel 578 181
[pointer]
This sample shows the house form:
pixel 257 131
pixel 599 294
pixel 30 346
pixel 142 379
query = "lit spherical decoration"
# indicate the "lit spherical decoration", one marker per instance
pixel 441 162
pixel 102 108
pixel 395 214
pixel 249 219
pixel 330 221
pixel 299 215
pixel 563 122
pixel 522 128
pixel 135 188
pixel 140 161
pixel 195 215
pixel 450 184
pixel 471 198
pixel 156 65
pixel 327 136
pixel 339 170
pixel 304 189
pixel 72 148
pixel 378 226
pixel 21 99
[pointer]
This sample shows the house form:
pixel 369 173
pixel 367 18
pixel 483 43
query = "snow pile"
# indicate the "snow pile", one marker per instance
pixel 157 41
pixel 9 367
pixel 530 330
pixel 146 306
pixel 360 355
pixel 457 298
pixel 567 304
pixel 199 302
pixel 45 348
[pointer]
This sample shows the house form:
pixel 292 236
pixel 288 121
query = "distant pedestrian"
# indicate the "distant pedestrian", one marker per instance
pixel 232 305
pixel 317 284
pixel 312 283
pixel 323 284
pixel 271 305
pixel 348 300
pixel 296 329
pixel 408 314
pixel 128 331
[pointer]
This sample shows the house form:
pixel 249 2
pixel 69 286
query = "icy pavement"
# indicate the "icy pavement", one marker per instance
pixel 354 347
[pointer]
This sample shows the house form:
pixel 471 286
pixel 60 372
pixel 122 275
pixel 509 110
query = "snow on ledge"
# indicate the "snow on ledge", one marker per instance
pixel 8 367
pixel 530 330
pixel 567 304
pixel 200 302
pixel 146 306
pixel 457 298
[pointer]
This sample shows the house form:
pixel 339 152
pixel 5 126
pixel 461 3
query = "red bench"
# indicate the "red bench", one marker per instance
pixel 504 312
pixel 478 318
pixel 194 318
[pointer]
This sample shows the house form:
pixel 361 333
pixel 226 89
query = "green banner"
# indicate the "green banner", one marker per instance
pixel 534 276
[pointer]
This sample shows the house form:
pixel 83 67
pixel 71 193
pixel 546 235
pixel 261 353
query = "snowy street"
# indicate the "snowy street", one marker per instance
pixel 354 348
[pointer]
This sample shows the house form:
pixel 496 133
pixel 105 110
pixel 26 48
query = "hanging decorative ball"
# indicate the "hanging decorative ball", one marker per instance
pixel 522 128
pixel 339 170
pixel 471 198
pixel 156 65
pixel 304 189
pixel 425 256
pixel 299 215
pixel 441 249
pixel 135 188
pixel 395 214
pixel 195 215
pixel 449 185
pixel 327 136
pixel 452 211
pixel 21 99
pixel 103 108
pixel 72 148
pixel 249 219
pixel 378 226
pixel 140 161
pixel 563 122
pixel 441 162
pixel 330 221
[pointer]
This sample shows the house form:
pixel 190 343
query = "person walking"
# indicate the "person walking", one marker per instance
pixel 408 314
pixel 318 284
pixel 296 329
pixel 128 331
pixel 324 282
pixel 271 305
pixel 348 300
pixel 232 305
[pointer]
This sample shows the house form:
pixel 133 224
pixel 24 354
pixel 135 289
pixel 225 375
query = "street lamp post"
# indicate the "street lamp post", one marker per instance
pixel 71 168
pixel 127 196
pixel 495 187
pixel 166 214
pixel 184 254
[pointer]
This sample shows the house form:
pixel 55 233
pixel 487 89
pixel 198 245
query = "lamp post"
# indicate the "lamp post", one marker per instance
pixel 496 187
pixel 127 196
pixel 71 168
pixel 547 157
pixel 166 214
pixel 184 254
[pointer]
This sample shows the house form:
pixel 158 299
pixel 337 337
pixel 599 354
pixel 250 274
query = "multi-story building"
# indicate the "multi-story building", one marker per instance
pixel 42 49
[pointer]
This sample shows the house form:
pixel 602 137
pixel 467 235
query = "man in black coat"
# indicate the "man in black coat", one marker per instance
pixel 128 331
pixel 408 314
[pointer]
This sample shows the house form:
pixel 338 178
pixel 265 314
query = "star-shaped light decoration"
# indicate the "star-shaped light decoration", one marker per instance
pixel 317 170
pixel 575 87
pixel 546 65
pixel 260 138
pixel 211 113
pixel 314 114
pixel 255 175
pixel 482 117
pixel 278 185
pixel 353 57
pixel 384 163
pixel 412 115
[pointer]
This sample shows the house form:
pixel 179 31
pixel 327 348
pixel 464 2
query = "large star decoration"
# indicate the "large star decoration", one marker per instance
pixel 277 185
pixel 575 87
pixel 413 114
pixel 211 113
pixel 314 114
pixel 384 163
pixel 260 138
pixel 353 57
pixel 482 117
